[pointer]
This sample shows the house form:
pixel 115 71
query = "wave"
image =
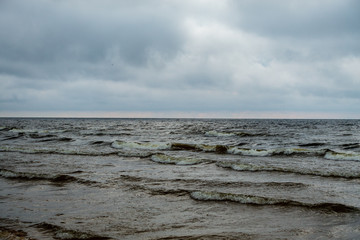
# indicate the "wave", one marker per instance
pixel 27 176
pixel 55 151
pixel 61 139
pixel 106 134
pixel 351 145
pixel 230 134
pixel 39 136
pixel 216 236
pixel 163 158
pixel 237 150
pixel 100 143
pixel 270 152
pixel 219 134
pixel 36 131
pixel 262 168
pixel 234 197
pixel 3 128
pixel 11 234
pixel 346 156
pixel 135 154
pixel 63 233
pixel 140 146
pixel 259 200
pixel 199 147
pixel 213 183
pixel 246 151
pixel 12 137
pixel 313 144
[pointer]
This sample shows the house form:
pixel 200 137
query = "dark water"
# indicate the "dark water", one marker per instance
pixel 180 179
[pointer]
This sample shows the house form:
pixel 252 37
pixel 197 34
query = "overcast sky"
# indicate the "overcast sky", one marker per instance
pixel 180 58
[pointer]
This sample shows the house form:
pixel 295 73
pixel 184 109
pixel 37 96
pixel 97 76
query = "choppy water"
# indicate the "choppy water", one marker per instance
pixel 180 179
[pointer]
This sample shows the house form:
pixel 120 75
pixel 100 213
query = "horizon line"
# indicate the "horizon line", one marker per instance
pixel 177 115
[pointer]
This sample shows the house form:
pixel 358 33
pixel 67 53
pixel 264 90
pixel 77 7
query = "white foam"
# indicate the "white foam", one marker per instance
pixel 304 171
pixel 345 156
pixel 289 151
pixel 251 152
pixel 206 148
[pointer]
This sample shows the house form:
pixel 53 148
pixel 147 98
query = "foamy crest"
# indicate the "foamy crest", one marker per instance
pixel 251 152
pixel 162 158
pixel 303 171
pixel 304 151
pixel 270 152
pixel 259 200
pixel 346 156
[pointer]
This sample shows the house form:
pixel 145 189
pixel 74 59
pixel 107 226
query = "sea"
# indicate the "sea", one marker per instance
pixel 179 179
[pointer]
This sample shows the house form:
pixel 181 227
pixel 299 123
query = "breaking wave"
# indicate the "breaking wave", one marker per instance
pixel 236 150
pixel 270 152
pixel 259 200
pixel 246 151
pixel 261 168
pixel 199 147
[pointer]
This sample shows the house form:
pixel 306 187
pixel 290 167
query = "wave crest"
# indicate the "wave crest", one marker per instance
pixel 347 156
pixel 262 168
pixel 54 151
pixel 259 200
pixel 27 176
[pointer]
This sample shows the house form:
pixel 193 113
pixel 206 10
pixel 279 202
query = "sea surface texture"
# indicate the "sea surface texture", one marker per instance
pixel 179 179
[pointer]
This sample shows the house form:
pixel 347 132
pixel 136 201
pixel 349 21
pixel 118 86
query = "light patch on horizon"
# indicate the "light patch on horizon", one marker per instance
pixel 180 58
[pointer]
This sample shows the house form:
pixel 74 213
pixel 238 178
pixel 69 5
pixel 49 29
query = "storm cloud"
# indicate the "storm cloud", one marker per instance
pixel 221 58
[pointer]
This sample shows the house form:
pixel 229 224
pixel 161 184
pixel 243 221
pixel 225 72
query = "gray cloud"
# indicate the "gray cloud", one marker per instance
pixel 325 28
pixel 189 56
pixel 304 19
pixel 68 34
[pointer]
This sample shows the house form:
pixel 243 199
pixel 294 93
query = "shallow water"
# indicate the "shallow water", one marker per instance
pixel 180 179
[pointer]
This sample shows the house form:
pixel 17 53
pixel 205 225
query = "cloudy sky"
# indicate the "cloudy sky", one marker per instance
pixel 180 58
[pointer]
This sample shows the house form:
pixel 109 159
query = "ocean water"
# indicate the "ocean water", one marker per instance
pixel 179 179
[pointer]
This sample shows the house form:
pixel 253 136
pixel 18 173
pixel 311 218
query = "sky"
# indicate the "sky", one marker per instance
pixel 180 58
